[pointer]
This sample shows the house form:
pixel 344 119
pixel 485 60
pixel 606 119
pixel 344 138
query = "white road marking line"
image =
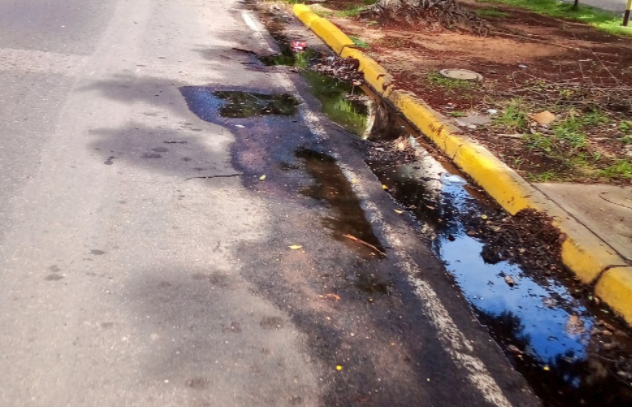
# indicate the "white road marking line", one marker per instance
pixel 454 341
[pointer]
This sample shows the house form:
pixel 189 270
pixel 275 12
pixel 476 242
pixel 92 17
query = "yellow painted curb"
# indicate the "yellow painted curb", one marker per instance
pixel 304 14
pixel 374 74
pixel 615 288
pixel 335 38
pixel 582 252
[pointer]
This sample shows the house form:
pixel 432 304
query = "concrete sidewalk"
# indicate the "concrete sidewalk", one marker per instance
pixel 606 210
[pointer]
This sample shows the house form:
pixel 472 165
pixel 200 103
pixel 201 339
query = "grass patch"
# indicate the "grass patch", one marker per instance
pixel 350 12
pixel 546 176
pixel 491 13
pixel 360 43
pixel 437 80
pixel 622 169
pixel 514 117
pixel 457 113
pixel 602 20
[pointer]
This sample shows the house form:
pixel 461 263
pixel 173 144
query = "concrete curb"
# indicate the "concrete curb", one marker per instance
pixel 591 259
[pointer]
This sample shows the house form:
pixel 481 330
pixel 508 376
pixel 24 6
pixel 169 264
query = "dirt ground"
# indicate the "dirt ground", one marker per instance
pixel 530 63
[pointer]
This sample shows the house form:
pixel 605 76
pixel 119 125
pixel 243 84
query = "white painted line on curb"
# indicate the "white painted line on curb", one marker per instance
pixel 453 340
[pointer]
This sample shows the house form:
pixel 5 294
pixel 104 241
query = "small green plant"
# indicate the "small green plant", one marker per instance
pixel 594 118
pixel 514 117
pixel 625 126
pixel 372 23
pixel 491 13
pixel 538 141
pixel 359 42
pixel 457 113
pixel 622 169
pixel 545 176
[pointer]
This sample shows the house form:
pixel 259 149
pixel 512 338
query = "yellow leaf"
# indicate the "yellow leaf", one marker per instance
pixel 484 217
pixel 296 246
pixel 547 368
pixel 338 367
pixel 261 178
pixel 398 211
pixel 384 187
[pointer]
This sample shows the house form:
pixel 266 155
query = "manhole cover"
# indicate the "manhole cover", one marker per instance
pixel 462 74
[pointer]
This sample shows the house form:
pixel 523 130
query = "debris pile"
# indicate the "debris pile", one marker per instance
pixel 344 69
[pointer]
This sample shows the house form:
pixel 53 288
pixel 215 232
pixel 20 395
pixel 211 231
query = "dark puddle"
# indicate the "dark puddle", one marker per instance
pixel 331 186
pixel 342 103
pixel 571 351
pixel 207 103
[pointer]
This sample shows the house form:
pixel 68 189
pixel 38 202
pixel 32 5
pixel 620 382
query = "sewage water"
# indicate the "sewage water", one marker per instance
pixel 207 103
pixel 331 186
pixel 571 351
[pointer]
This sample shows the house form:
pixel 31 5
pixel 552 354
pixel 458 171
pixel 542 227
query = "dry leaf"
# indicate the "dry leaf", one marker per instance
pixel 296 246
pixel 261 178
pixel 509 281
pixel 543 118
pixel 384 187
pixel 332 296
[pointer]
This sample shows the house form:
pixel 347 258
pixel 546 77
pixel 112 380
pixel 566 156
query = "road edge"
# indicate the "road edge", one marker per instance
pixel 592 260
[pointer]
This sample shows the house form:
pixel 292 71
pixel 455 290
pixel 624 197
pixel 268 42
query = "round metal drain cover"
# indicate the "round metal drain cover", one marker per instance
pixel 463 74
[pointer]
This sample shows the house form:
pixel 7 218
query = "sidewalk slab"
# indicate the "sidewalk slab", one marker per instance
pixel 604 209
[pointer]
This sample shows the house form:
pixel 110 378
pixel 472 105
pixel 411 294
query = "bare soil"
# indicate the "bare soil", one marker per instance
pixel 565 67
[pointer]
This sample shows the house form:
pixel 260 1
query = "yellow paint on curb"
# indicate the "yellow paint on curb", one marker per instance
pixel 304 14
pixel 335 38
pixel 615 288
pixel 582 252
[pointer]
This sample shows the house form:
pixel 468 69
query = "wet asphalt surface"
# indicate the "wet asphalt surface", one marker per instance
pixel 160 247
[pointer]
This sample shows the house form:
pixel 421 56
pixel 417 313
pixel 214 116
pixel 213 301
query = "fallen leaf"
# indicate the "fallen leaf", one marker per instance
pixel 546 368
pixel 484 217
pixel 261 178
pixel 398 211
pixel 543 118
pixel 332 296
pixel 509 281
pixel 384 187
pixel 295 246
pixel 338 367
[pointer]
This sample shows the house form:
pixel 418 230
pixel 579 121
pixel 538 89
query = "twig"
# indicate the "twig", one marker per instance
pixel 369 245
pixel 216 176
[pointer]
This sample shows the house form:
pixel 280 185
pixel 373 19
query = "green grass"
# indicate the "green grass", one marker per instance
pixel 360 43
pixel 457 113
pixel 350 12
pixel 622 169
pixel 491 13
pixel 546 176
pixel 602 20
pixel 514 117
pixel 437 80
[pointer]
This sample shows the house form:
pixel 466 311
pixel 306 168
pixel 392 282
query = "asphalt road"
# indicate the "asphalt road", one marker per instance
pixel 127 281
